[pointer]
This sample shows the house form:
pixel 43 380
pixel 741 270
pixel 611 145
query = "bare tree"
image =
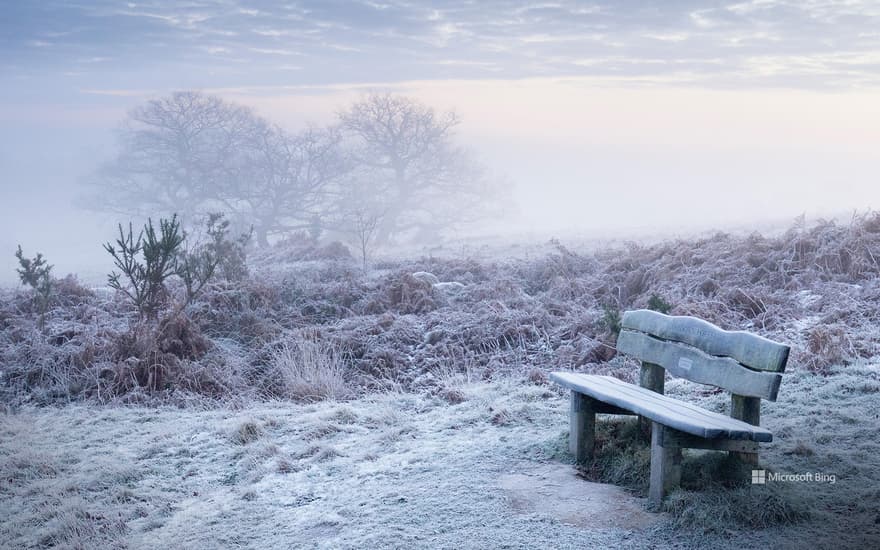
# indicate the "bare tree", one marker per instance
pixel 175 154
pixel 406 151
pixel 194 153
pixel 286 181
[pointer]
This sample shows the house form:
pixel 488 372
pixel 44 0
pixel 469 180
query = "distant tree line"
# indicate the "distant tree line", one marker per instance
pixel 388 169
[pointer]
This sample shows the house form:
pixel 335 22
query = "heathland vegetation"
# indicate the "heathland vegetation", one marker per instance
pixel 353 373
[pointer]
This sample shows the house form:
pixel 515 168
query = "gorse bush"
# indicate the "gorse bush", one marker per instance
pixel 162 271
pixel 611 318
pixel 657 303
pixel 230 253
pixel 37 274
pixel 146 263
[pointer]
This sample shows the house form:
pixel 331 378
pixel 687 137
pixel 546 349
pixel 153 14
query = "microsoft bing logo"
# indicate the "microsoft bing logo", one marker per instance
pixel 761 477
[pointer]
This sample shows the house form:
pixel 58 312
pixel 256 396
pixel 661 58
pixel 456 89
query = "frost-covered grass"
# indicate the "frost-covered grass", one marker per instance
pixel 816 288
pixel 398 469
pixel 311 369
pixel 391 470
pixel 822 424
pixel 211 430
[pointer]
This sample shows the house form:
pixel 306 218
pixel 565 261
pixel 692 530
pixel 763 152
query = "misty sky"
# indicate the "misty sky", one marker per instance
pixel 605 116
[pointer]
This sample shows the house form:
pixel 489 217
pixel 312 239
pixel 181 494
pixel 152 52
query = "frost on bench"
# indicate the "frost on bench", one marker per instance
pixel 684 361
pixel 680 415
pixel 751 350
pixel 747 365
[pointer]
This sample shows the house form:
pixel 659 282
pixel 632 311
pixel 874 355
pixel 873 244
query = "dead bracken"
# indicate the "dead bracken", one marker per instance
pixel 311 330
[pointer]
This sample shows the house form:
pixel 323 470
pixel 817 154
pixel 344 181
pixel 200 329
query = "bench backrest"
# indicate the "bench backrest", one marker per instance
pixel 745 364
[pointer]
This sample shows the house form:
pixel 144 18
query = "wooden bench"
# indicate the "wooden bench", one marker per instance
pixel 747 365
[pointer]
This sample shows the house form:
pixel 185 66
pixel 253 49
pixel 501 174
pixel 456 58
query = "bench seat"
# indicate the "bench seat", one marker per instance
pixel 681 416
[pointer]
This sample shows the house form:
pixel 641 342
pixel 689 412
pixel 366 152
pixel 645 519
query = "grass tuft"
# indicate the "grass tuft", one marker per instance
pixel 715 493
pixel 716 508
pixel 453 396
pixel 310 369
pixel 247 432
pixel 801 449
pixel 622 456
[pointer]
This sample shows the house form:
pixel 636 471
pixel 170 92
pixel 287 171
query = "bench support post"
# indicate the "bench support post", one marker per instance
pixel 582 429
pixel 747 409
pixel 665 467
pixel 651 377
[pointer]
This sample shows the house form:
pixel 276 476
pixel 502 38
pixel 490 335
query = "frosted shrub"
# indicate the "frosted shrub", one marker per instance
pixel 145 263
pixel 37 274
pixel 551 311
pixel 148 262
pixel 227 254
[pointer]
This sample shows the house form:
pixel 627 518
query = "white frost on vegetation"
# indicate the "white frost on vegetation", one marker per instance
pixel 391 470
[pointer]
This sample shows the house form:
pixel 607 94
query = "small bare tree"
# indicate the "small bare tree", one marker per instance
pixel 196 265
pixel 363 224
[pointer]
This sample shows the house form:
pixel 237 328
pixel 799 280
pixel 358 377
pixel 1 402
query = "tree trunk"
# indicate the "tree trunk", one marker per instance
pixel 386 230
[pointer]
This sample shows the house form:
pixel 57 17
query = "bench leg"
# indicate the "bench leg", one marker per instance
pixel 582 429
pixel 652 377
pixel 747 409
pixel 665 467
pixel 745 458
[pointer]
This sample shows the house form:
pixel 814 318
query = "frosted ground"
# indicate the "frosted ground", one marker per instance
pixel 396 470
pixel 436 425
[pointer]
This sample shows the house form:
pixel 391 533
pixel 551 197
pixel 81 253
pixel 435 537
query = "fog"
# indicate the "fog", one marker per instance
pixel 387 237
pixel 618 120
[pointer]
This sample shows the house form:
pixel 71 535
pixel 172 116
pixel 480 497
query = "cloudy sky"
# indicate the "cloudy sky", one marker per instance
pixel 605 116
pixel 98 47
